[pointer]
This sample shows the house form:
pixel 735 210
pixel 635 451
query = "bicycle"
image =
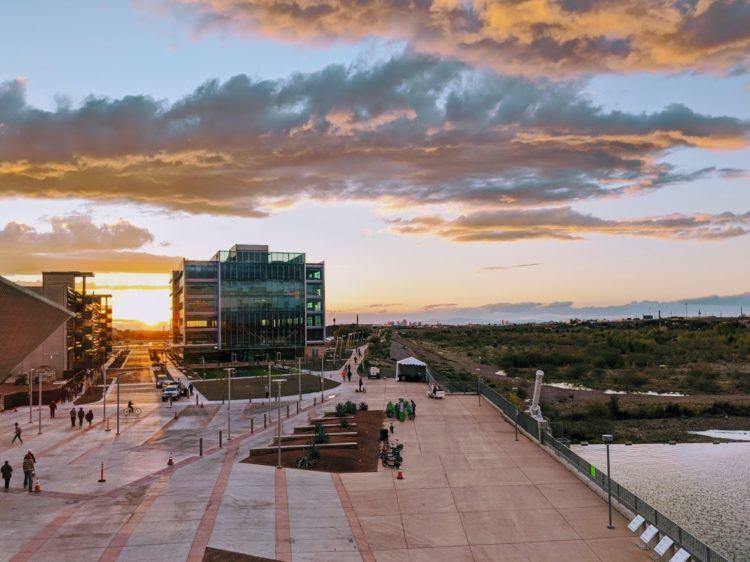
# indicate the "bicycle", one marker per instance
pixel 126 412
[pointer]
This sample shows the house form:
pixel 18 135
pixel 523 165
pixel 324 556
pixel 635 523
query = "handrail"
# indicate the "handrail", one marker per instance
pixel 698 549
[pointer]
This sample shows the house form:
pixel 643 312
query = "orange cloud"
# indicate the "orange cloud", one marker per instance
pixel 520 36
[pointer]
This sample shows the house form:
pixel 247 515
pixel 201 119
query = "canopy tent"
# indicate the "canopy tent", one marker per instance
pixel 411 369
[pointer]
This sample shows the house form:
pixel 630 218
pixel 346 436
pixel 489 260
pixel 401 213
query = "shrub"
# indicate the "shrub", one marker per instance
pixel 351 407
pixel 343 424
pixel 320 434
pixel 340 409
pixel 363 406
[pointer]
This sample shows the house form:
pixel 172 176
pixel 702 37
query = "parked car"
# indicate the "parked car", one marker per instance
pixel 161 380
pixel 170 390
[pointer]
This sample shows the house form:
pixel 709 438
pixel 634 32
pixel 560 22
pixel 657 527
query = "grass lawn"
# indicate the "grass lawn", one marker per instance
pixel 255 386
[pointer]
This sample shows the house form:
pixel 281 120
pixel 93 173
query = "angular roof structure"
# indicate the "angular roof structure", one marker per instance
pixel 26 319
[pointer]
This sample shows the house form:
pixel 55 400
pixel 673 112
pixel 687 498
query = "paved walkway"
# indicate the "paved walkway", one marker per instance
pixel 470 493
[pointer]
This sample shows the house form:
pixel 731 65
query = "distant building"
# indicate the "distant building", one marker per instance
pixel 85 340
pixel 248 303
pixel 26 320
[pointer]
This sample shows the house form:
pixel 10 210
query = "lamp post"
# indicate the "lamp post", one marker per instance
pixel 607 438
pixel 322 375
pixel 278 408
pixel 31 395
pixel 270 391
pixel 299 377
pixel 229 371
pixel 117 432
pixel 39 406
pixel 104 397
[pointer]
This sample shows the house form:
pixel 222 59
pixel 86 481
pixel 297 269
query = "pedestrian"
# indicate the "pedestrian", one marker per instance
pixel 73 417
pixel 17 434
pixel 90 417
pixel 6 470
pixel 413 408
pixel 360 383
pixel 266 389
pixel 29 464
pixel 81 415
pixel 52 408
pixel 349 376
pixel 190 388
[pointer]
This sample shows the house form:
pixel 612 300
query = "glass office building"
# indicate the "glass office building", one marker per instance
pixel 247 302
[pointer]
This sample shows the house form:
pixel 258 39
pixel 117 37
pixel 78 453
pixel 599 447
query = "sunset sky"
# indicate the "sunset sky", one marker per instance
pixel 439 156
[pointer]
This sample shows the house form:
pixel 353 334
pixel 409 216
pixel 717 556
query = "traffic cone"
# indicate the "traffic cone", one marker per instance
pixel 101 473
pixel 170 462
pixel 400 475
pixel 37 487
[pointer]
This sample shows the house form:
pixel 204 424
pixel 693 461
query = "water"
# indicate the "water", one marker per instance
pixel 570 386
pixel 734 434
pixel 705 488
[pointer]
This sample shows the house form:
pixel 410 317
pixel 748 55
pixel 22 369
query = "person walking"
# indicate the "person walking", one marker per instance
pixel 349 376
pixel 90 417
pixel 81 415
pixel 17 434
pixel 52 408
pixel 29 465
pixel 413 408
pixel 190 389
pixel 6 470
pixel 360 383
pixel 73 417
pixel 266 389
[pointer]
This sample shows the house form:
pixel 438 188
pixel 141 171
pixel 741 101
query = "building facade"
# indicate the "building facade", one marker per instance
pixel 85 340
pixel 248 303
pixel 26 320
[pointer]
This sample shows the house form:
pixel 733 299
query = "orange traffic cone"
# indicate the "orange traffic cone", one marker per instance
pixel 37 487
pixel 170 462
pixel 400 475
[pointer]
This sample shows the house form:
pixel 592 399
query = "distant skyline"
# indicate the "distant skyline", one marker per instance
pixel 547 151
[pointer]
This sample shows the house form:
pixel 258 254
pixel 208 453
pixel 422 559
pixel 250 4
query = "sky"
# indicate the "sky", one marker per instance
pixel 451 160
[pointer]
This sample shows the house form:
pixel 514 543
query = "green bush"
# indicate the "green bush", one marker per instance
pixel 343 424
pixel 320 434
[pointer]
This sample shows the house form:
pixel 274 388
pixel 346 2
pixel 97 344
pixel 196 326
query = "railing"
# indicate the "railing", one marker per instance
pixel 698 550
pixel 453 387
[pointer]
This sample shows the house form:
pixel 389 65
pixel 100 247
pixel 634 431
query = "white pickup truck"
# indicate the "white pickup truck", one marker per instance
pixel 170 390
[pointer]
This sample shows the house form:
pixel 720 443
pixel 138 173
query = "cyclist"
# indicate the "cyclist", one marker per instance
pixel 131 406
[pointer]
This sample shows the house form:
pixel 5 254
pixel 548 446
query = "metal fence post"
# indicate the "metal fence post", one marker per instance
pixel 287 410
pixel 264 420
pixel 252 425
pixel 220 439
pixel 200 447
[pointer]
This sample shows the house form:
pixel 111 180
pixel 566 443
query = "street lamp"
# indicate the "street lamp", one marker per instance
pixel 31 395
pixel 39 406
pixel 299 377
pixel 117 376
pixel 229 371
pixel 322 375
pixel 278 408
pixel 607 438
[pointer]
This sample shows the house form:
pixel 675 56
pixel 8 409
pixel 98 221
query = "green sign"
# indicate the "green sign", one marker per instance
pixel 592 470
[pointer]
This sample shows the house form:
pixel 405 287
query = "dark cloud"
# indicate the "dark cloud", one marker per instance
pixel 543 36
pixel 411 130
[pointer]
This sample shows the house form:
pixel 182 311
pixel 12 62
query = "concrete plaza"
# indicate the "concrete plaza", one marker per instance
pixel 471 492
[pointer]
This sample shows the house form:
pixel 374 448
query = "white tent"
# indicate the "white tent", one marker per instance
pixel 410 362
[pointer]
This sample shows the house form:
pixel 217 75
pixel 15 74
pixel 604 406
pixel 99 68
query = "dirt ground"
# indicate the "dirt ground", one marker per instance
pixel 362 459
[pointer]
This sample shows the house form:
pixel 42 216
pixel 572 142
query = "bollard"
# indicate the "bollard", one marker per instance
pixel 219 439
pixel 516 425
pixel 252 425
pixel 101 473
pixel 298 407
pixel 287 410
pixel 200 447
pixel 249 399
pixel 315 400
pixel 196 399
pixel 264 421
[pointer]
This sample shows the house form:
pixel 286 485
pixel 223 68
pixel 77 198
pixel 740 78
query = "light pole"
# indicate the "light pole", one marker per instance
pixel 31 395
pixel 117 433
pixel 104 397
pixel 270 391
pixel 278 408
pixel 229 371
pixel 607 438
pixel 299 377
pixel 39 406
pixel 322 375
